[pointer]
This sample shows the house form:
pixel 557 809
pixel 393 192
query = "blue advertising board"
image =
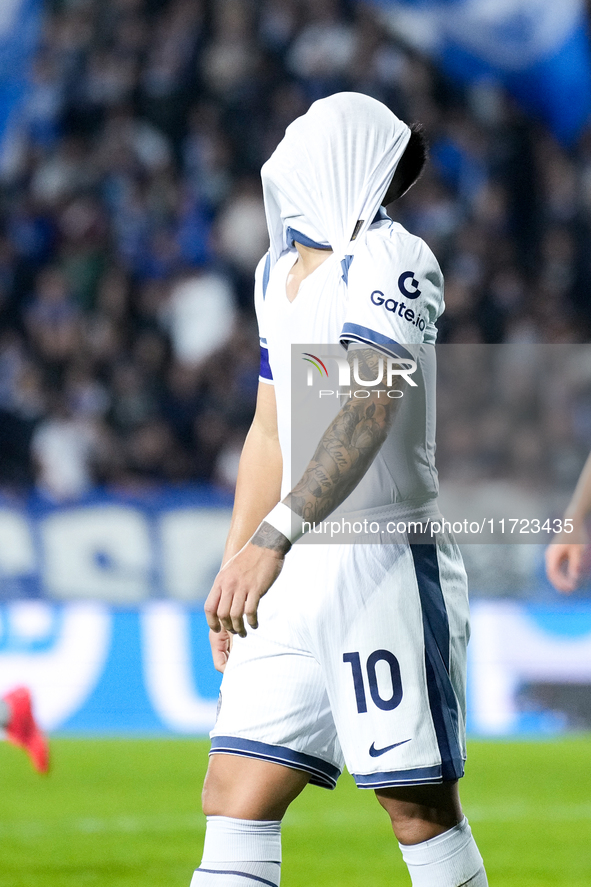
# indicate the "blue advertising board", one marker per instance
pixel 103 671
pixel 101 615
pixel 100 670
pixel 117 548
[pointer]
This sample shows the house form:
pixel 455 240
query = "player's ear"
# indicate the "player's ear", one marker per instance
pixel 410 166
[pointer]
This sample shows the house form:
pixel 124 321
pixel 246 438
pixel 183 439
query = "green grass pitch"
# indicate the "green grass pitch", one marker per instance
pixel 125 813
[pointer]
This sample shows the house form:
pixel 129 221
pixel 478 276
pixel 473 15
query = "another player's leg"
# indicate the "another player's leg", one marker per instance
pixel 434 835
pixel 245 800
pixel 19 725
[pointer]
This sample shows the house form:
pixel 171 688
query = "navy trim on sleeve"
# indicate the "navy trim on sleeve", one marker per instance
pixel 265 367
pixel 352 332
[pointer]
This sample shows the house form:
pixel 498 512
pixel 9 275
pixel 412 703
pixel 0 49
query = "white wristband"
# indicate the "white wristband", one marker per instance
pixel 286 521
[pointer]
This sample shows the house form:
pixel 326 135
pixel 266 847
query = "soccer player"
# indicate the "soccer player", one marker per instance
pixel 566 556
pixel 360 654
pixel 19 726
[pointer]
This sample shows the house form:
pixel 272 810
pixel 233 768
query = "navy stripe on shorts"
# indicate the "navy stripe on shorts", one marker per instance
pixel 442 699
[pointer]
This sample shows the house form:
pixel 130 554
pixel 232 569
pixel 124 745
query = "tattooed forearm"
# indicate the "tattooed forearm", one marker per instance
pixel 268 537
pixel 348 446
pixel 341 459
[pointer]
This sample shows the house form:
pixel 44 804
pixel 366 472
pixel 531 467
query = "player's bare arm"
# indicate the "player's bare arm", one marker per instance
pixel 257 491
pixel 565 557
pixel 258 485
pixel 347 449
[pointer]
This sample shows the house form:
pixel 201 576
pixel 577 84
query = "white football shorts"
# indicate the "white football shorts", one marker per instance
pixel 359 659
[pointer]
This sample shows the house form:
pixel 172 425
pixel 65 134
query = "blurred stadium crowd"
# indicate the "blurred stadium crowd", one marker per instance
pixel 131 222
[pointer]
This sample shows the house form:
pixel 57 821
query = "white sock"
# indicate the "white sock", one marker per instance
pixel 240 853
pixel 449 860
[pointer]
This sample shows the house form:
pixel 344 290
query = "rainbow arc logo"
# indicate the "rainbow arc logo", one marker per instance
pixel 316 362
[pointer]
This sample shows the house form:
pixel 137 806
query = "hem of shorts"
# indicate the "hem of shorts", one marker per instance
pixel 322 773
pixel 416 776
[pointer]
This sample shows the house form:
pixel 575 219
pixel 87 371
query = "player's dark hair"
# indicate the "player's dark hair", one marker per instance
pixel 410 165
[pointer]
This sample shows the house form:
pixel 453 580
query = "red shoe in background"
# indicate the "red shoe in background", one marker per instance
pixel 22 729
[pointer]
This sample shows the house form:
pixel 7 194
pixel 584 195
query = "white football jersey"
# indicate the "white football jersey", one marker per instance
pixel 388 296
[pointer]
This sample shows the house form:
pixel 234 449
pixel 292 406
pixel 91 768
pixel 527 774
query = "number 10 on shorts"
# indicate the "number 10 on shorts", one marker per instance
pixel 386 704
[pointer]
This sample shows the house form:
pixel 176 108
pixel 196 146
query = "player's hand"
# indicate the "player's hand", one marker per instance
pixel 565 564
pixel 238 588
pixel 221 644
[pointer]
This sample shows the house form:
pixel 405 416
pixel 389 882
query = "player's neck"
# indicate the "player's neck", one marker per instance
pixel 310 258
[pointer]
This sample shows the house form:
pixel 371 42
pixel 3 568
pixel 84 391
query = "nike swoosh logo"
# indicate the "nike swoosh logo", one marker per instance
pixel 376 752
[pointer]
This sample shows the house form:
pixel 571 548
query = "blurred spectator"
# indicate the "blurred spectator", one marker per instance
pixel 230 58
pixel 64 447
pixel 199 315
pixel 324 48
pixel 52 320
pixel 242 227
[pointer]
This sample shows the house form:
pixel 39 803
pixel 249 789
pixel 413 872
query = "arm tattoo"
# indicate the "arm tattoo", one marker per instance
pixel 348 446
pixel 268 537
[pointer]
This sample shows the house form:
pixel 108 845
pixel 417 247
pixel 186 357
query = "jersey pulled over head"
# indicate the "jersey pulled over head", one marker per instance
pixel 327 177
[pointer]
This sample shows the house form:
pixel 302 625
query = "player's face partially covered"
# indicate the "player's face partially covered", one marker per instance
pixel 331 169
